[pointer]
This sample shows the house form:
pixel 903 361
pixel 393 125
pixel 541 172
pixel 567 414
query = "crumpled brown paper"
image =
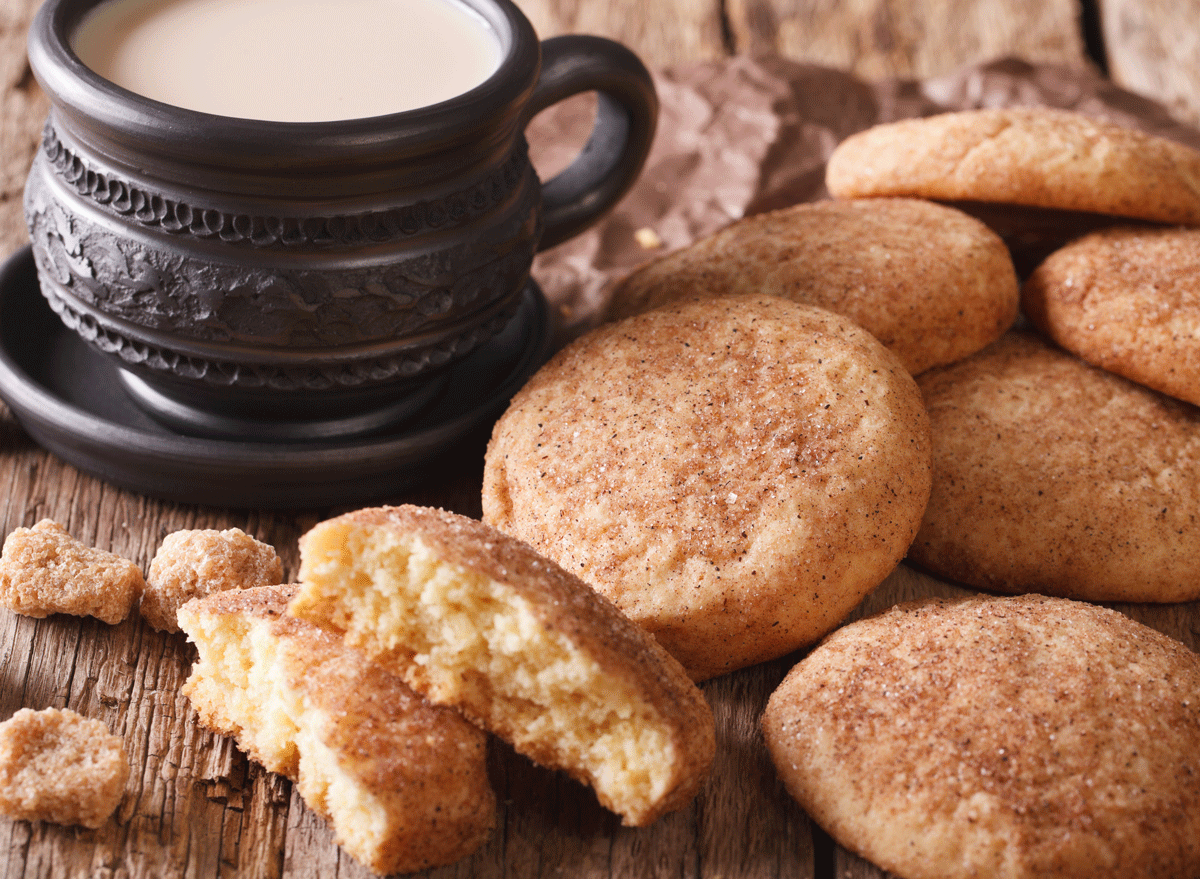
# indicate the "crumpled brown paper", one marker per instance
pixel 746 135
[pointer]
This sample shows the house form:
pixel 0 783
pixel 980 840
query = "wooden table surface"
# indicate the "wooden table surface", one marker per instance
pixel 195 806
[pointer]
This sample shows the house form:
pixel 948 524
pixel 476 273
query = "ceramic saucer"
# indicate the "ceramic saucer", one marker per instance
pixel 71 400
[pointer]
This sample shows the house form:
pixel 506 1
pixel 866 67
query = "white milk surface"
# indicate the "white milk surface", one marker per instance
pixel 290 60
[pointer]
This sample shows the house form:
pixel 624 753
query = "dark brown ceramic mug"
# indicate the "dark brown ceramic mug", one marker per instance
pixel 271 279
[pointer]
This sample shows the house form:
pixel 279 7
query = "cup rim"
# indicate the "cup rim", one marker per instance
pixel 131 121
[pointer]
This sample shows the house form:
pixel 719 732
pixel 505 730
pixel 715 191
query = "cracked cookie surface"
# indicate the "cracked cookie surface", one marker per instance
pixel 930 282
pixel 735 473
pixel 1127 300
pixel 1008 737
pixel 1053 476
pixel 1031 156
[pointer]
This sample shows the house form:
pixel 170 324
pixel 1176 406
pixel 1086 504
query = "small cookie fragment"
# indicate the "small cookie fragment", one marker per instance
pixel 475 619
pixel 1032 156
pixel 930 282
pixel 1053 476
pixel 735 473
pixel 57 765
pixel 403 783
pixel 45 570
pixel 1016 738
pixel 192 564
pixel 1126 300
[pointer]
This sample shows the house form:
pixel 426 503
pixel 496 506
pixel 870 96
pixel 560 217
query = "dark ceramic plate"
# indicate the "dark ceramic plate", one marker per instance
pixel 70 399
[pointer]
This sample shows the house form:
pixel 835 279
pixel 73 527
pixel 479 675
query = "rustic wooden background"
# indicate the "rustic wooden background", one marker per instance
pixel 194 806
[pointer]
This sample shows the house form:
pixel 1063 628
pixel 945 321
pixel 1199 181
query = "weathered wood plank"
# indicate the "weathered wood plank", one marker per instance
pixel 883 38
pixel 1153 47
pixel 660 33
pixel 851 866
pixel 23 109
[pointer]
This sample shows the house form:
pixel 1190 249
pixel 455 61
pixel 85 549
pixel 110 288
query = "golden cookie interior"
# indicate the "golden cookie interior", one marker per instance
pixel 403 783
pixel 475 619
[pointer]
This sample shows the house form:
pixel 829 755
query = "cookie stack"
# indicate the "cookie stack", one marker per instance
pixel 778 414
pixel 1037 735
pixel 1067 454
pixel 740 454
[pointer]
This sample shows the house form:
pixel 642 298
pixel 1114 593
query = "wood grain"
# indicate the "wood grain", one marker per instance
pixel 883 38
pixel 1153 47
pixel 23 112
pixel 660 33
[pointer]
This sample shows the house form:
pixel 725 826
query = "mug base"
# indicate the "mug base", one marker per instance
pixel 198 420
pixel 70 399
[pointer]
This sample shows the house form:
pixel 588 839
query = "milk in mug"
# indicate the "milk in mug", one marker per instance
pixel 290 60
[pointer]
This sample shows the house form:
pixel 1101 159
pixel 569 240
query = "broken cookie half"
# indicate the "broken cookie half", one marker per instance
pixel 478 620
pixel 403 783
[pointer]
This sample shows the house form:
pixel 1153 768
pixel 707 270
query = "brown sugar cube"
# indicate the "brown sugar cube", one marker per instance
pixel 192 564
pixel 57 765
pixel 45 570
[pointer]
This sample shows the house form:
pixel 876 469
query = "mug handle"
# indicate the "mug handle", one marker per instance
pixel 612 158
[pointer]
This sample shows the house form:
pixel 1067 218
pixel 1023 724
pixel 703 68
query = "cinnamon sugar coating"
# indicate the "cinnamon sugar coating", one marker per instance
pixel 930 282
pixel 1014 738
pixel 191 564
pixel 1127 300
pixel 403 783
pixel 45 570
pixel 734 473
pixel 1032 156
pixel 475 619
pixel 1053 476
pixel 57 765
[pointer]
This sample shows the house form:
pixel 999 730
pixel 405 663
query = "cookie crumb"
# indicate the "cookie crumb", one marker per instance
pixel 647 238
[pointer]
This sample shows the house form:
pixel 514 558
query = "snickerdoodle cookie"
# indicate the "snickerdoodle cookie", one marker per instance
pixel 1032 156
pixel 1128 300
pixel 735 473
pixel 1009 737
pixel 930 282
pixel 1054 476
pixel 475 619
pixel 403 783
